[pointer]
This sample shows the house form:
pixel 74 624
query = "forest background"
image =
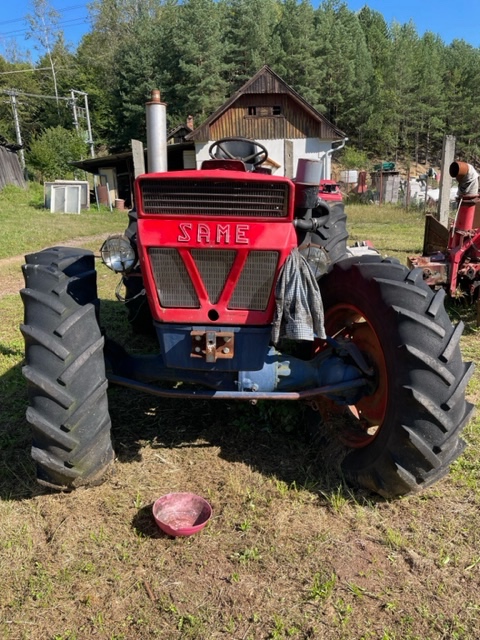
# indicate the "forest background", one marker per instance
pixel 395 94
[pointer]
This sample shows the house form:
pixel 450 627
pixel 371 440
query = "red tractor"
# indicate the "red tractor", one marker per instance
pixel 251 290
pixel 451 257
pixel 330 190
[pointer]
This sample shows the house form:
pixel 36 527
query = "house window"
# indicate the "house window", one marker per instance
pixel 264 111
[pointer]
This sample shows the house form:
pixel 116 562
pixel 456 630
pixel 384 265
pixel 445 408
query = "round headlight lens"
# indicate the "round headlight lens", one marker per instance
pixel 118 254
pixel 316 258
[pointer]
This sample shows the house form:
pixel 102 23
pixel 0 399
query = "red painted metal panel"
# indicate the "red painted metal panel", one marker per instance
pixel 219 232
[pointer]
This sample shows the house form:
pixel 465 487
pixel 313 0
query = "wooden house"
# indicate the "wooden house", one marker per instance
pixel 270 111
pixel 264 109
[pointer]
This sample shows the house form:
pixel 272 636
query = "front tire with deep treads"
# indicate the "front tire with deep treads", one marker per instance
pixel 65 370
pixel 407 430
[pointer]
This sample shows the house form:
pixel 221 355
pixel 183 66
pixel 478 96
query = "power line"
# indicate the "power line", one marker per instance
pixel 73 22
pixel 72 101
pixel 15 92
pixel 5 73
pixel 76 6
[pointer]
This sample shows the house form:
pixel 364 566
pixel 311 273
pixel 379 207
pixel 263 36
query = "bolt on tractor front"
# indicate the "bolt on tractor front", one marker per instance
pixel 247 281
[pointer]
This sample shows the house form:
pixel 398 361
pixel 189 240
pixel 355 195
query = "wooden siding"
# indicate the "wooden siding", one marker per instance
pixel 265 83
pixel 10 169
pixel 300 119
pixel 292 123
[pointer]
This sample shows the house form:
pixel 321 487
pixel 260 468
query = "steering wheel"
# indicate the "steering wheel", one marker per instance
pixel 256 158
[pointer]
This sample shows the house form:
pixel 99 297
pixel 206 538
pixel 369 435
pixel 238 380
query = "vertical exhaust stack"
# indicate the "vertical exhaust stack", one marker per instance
pixel 308 205
pixel 307 182
pixel 156 112
pixel 467 178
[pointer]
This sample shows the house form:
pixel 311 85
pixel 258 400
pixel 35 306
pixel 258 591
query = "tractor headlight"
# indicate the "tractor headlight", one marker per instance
pixel 118 254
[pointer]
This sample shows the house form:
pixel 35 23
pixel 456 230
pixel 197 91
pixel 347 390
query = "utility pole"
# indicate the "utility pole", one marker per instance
pixel 77 113
pixel 87 117
pixel 74 107
pixel 448 156
pixel 13 100
pixel 89 127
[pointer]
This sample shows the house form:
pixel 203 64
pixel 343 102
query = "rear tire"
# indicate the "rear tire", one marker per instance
pixel 405 434
pixel 331 237
pixel 65 370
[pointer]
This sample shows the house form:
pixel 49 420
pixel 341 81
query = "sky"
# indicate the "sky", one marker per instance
pixel 458 19
pixel 13 25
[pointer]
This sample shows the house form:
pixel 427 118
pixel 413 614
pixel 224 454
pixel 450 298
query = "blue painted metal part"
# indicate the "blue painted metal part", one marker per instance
pixel 286 373
pixel 251 344
pixel 282 377
pixel 338 390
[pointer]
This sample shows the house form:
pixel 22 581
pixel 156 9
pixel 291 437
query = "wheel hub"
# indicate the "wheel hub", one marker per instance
pixel 364 419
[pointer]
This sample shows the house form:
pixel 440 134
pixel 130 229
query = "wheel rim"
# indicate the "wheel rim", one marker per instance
pixel 365 419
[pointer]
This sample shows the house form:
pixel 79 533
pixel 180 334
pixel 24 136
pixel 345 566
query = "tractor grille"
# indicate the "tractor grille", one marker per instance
pixel 255 282
pixel 176 289
pixel 214 267
pixel 215 198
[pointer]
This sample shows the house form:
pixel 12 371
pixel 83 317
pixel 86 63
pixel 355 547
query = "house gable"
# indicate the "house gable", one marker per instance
pixel 178 134
pixel 266 108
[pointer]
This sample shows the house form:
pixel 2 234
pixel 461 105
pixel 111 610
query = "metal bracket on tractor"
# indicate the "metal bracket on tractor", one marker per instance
pixel 212 345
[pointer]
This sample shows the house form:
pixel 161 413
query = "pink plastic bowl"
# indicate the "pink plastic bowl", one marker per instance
pixel 181 514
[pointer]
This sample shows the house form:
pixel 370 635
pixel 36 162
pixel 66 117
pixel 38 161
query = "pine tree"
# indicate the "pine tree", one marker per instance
pixel 401 87
pixel 140 71
pixel 343 54
pixel 462 90
pixel 381 124
pixel 428 111
pixel 296 61
pixel 250 38
pixel 199 82
pixel 137 42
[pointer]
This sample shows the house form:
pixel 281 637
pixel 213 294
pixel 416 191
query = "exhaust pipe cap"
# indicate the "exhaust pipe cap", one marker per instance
pixel 458 170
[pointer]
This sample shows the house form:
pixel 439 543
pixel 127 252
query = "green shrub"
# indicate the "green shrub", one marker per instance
pixel 52 152
pixel 353 158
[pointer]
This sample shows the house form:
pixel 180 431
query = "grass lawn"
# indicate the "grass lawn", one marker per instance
pixel 28 226
pixel 291 552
